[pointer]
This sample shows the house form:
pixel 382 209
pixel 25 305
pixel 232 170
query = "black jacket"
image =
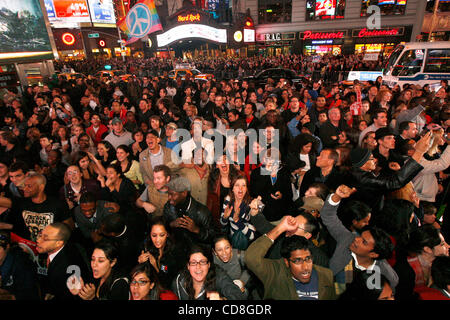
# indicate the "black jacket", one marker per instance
pixel 58 271
pixel 261 185
pixel 370 189
pixel 223 285
pixel 333 180
pixel 196 211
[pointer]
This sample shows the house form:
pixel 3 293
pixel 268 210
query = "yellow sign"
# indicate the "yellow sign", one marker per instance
pixel 238 36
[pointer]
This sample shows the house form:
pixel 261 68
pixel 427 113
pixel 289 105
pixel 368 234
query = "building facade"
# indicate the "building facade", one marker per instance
pixel 316 27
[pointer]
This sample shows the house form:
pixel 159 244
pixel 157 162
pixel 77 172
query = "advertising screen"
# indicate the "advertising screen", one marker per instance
pixel 325 8
pixel 191 31
pixel 23 34
pixel 102 11
pixel 67 11
pixel 249 35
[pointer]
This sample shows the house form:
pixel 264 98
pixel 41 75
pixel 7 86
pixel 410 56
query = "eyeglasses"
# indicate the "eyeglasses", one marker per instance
pixel 196 263
pixel 299 261
pixel 140 283
pixel 300 228
pixel 45 238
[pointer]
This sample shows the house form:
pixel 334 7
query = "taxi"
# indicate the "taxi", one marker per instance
pixel 182 70
pixel 109 74
pixel 71 75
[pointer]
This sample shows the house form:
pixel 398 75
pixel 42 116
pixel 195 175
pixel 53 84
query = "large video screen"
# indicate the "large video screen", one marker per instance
pixel 67 11
pixel 325 9
pixel 102 11
pixel 387 7
pixel 23 34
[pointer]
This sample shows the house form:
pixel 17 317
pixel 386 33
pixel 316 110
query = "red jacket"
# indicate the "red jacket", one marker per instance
pixel 97 137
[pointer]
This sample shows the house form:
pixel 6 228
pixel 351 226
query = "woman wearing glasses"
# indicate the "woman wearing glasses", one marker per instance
pixel 109 283
pixel 202 280
pixel 145 284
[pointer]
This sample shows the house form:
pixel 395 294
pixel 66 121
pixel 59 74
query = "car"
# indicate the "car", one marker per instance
pixel 260 78
pixel 109 74
pixel 71 75
pixel 194 73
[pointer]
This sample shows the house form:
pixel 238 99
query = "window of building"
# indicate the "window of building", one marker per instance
pixel 438 61
pixel 274 11
pixel 443 6
pixel 325 9
pixel 387 7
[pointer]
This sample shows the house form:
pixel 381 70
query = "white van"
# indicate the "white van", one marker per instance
pixel 418 63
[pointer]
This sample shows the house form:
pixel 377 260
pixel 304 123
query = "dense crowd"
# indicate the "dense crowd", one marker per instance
pixel 327 68
pixel 167 189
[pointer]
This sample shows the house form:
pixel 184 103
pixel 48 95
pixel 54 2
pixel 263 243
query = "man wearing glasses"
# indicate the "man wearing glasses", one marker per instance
pixel 294 276
pixel 63 261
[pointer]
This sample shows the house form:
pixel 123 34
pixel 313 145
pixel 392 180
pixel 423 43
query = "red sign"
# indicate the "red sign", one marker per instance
pixel 189 17
pixel 322 35
pixel 68 38
pixel 378 33
pixel 71 8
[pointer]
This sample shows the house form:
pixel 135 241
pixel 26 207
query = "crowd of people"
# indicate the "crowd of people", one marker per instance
pixel 328 68
pixel 170 189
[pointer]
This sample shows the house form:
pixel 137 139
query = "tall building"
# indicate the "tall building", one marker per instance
pixel 335 26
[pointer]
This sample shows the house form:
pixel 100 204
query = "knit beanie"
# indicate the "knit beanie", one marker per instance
pixel 359 156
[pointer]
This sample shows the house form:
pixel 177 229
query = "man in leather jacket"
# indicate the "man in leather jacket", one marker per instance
pixel 370 188
pixel 190 220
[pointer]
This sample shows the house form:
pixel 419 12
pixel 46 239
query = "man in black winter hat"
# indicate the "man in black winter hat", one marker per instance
pixel 371 188
pixel 388 160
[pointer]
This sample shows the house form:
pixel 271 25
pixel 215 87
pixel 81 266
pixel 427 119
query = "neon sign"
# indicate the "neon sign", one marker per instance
pixel 189 18
pixel 322 35
pixel 377 33
pixel 68 38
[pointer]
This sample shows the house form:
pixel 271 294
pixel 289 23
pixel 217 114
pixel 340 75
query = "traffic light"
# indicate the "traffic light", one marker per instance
pixel 249 22
pixel 101 43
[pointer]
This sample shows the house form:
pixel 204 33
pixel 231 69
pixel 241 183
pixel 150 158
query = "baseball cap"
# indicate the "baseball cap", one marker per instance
pixel 312 203
pixel 172 125
pixel 179 184
pixel 116 121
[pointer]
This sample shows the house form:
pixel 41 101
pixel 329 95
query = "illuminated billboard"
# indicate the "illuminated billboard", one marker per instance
pixel 67 11
pixel 23 34
pixel 102 11
pixel 192 31
pixel 249 35
pixel 325 9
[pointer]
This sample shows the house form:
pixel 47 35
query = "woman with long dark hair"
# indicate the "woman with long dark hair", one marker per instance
pixel 161 252
pixel 109 281
pixel 117 188
pixel 235 216
pixel 130 167
pixel 145 284
pixel 105 153
pixel 202 280
pixel 219 184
